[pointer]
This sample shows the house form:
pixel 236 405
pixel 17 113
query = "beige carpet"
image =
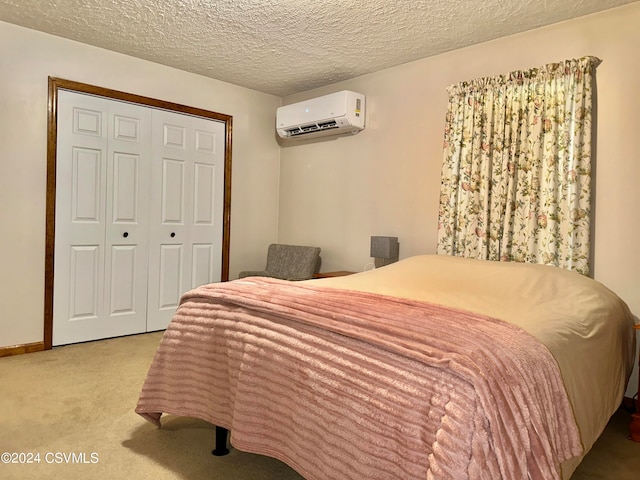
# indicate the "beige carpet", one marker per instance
pixel 75 403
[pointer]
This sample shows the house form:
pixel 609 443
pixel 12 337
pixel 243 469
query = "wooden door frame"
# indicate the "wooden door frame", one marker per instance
pixel 52 143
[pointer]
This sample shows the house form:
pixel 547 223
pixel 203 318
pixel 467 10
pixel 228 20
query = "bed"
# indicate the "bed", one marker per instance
pixel 433 367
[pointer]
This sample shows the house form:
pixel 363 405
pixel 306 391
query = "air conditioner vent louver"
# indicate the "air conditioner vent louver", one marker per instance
pixel 312 127
pixel 334 114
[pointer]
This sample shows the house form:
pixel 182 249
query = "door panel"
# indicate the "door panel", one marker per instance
pixel 85 185
pixel 84 281
pixel 80 217
pixel 86 121
pixel 171 268
pixel 126 128
pixel 206 214
pixel 125 188
pixel 101 255
pixel 187 203
pixel 174 136
pixel 168 228
pixel 172 194
pixel 203 194
pixel 127 227
pixel 201 264
pixel 123 287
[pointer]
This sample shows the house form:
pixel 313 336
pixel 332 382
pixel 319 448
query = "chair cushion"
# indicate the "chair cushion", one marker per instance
pixel 253 273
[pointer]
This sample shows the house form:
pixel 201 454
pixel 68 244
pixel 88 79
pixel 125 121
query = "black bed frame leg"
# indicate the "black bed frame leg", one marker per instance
pixel 221 442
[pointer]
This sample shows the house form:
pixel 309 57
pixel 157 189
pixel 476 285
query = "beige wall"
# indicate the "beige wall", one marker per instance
pixel 385 180
pixel 27 58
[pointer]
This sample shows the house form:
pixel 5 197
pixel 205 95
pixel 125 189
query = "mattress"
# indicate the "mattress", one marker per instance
pixel 585 325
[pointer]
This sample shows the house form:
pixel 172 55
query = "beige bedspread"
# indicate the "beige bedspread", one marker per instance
pixel 585 325
pixel 352 385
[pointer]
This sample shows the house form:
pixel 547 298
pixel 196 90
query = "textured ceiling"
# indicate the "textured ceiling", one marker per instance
pixel 283 47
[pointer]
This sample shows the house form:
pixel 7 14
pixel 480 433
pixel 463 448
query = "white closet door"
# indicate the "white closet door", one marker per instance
pixel 101 236
pixel 187 204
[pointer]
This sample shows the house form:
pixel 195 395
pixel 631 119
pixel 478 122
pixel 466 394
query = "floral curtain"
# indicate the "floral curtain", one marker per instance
pixel 516 174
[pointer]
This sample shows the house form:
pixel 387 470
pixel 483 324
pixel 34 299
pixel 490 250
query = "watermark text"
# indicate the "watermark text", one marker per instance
pixel 23 458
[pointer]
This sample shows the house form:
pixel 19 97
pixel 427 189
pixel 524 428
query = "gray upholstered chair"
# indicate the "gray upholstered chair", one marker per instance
pixel 288 262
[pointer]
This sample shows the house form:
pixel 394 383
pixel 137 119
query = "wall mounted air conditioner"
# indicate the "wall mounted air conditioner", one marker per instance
pixel 333 114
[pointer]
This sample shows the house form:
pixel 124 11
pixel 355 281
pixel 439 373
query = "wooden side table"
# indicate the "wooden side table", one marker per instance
pixel 339 273
pixel 634 426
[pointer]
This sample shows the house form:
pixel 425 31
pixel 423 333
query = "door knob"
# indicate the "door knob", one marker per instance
pixel 125 234
pixel 173 234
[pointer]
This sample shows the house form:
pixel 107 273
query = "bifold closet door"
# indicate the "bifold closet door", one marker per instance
pixel 102 231
pixel 186 214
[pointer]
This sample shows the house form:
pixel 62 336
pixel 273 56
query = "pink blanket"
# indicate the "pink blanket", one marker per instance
pixel 350 385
